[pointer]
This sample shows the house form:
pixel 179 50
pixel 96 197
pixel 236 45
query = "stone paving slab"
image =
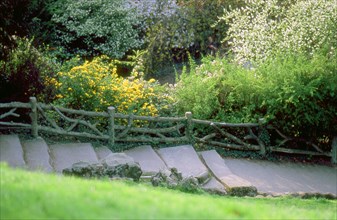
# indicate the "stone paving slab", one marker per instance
pixel 65 155
pixel 186 160
pixel 36 154
pixel 11 151
pixel 285 178
pixel 214 186
pixel 148 159
pixel 232 182
pixel 102 152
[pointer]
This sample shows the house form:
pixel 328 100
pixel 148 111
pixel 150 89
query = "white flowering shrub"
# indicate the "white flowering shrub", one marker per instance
pixel 264 27
pixel 309 25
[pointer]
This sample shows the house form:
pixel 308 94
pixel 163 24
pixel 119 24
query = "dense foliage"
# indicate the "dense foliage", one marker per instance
pixel 281 63
pixel 181 27
pixel 296 93
pixel 21 18
pixel 26 72
pixel 90 28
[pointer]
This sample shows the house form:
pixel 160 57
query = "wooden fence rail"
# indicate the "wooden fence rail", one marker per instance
pixel 116 127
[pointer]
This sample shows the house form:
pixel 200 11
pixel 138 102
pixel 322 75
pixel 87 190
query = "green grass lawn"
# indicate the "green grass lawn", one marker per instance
pixel 27 195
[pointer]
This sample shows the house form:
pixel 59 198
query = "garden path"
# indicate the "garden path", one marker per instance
pixel 216 174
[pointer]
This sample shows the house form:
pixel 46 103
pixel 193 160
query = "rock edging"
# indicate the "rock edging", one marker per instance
pixel 115 165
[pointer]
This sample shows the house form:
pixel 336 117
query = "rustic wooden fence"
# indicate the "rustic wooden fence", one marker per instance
pixel 115 127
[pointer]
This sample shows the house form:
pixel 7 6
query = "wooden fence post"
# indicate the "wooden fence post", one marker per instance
pixel 261 143
pixel 189 126
pixel 334 150
pixel 111 112
pixel 33 116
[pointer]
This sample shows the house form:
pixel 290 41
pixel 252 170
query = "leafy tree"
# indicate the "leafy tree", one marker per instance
pixel 175 28
pixel 157 17
pixel 21 18
pixel 201 18
pixel 94 27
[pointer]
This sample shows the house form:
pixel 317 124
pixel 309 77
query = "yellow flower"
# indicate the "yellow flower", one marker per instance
pixel 98 80
pixel 152 80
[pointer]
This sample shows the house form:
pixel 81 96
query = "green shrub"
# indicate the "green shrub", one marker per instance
pixel 299 94
pixel 294 92
pixel 217 89
pixel 26 72
pixel 197 93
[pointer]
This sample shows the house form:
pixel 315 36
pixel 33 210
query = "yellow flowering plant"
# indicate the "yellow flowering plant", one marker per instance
pixel 95 85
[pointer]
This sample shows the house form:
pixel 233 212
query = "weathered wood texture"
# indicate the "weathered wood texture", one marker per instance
pixel 33 116
pixel 116 127
pixel 334 150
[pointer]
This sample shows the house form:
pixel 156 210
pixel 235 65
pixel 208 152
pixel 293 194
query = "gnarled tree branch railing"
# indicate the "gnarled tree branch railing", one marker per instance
pixel 115 127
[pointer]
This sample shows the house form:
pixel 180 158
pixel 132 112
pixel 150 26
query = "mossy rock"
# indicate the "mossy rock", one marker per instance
pixel 242 191
pixel 115 165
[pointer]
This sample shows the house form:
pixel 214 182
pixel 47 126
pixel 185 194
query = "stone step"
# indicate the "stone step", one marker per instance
pixel 65 155
pixel 148 160
pixel 186 160
pixel 234 184
pixel 11 151
pixel 36 154
pixel 214 186
pixel 102 152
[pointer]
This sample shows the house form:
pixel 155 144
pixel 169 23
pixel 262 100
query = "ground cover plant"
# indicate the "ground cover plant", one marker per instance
pixel 26 195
